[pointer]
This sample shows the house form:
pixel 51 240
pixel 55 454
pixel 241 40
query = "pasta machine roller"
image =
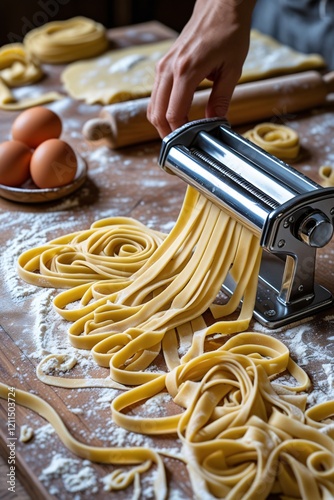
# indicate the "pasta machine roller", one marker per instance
pixel 291 214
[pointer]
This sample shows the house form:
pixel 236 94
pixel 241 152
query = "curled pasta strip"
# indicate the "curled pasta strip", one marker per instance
pixel 18 67
pixel 278 140
pixel 61 365
pixel 321 416
pixel 141 458
pixel 64 41
pixel 272 358
pixel 119 480
pixel 112 249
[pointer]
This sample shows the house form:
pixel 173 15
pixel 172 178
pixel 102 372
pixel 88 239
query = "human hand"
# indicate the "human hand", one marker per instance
pixel 213 45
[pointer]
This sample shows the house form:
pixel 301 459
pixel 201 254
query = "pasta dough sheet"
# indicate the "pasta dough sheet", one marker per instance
pixel 124 74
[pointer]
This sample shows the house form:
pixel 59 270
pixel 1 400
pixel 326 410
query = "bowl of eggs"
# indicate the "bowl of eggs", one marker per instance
pixel 36 165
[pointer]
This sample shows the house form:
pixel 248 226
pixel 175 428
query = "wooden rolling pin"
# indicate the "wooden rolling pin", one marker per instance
pixel 125 123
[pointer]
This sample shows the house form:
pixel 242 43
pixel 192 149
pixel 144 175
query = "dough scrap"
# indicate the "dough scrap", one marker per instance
pixel 278 140
pixel 65 41
pixel 17 68
pixel 26 433
pixel 124 74
pixel 326 173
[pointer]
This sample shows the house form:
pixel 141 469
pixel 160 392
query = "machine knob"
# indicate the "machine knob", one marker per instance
pixel 315 230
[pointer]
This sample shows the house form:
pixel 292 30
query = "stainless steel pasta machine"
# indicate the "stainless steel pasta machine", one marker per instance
pixel 292 215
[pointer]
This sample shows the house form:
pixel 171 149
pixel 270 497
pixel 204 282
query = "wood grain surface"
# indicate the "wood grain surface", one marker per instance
pixel 127 182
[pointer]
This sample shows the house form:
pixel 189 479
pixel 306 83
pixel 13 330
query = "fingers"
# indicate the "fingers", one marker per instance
pixel 158 105
pixel 221 94
pixel 180 101
pixel 171 98
pixel 178 75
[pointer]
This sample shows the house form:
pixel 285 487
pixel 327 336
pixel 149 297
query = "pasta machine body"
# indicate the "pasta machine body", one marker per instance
pixel 290 214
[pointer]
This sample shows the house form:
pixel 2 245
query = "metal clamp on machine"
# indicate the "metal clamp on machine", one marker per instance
pixel 291 214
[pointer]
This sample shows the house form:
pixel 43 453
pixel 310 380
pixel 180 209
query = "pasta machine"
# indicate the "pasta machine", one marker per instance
pixel 291 214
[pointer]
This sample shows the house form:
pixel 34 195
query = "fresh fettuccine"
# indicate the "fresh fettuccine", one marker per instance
pixel 131 294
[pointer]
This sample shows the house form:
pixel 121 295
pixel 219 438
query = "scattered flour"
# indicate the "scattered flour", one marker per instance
pixel 307 349
pixel 76 475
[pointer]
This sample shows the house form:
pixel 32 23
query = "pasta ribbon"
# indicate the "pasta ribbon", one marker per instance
pixel 240 437
pixel 140 457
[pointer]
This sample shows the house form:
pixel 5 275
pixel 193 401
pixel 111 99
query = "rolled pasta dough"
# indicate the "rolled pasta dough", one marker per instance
pixel 128 73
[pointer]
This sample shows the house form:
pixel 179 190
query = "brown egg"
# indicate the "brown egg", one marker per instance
pixel 53 164
pixel 14 163
pixel 36 125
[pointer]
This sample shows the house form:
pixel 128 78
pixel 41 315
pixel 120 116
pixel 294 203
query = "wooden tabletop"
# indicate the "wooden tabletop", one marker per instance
pixel 130 183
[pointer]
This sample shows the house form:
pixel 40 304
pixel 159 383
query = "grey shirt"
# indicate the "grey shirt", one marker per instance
pixel 305 25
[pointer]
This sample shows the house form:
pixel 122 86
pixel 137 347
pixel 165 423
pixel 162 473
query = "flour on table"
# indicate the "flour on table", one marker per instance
pixel 76 475
pixel 126 63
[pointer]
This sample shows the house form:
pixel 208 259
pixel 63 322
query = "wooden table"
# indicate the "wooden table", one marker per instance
pixel 126 182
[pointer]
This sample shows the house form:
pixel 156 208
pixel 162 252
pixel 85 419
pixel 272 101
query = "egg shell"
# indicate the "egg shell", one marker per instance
pixel 36 125
pixel 14 163
pixel 53 164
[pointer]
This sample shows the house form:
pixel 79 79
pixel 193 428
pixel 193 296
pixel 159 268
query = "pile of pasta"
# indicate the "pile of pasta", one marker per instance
pixel 60 42
pixel 278 140
pixel 133 294
pixel 55 43
pixel 19 68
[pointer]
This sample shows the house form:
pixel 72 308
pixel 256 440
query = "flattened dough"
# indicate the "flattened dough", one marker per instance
pixel 124 74
pixel 267 57
pixel 116 76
